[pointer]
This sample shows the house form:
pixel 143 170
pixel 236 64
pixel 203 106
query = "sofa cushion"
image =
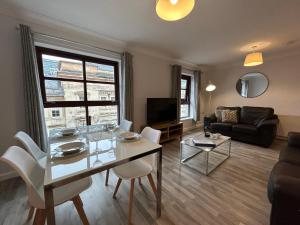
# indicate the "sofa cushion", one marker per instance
pixel 221 126
pixel 290 155
pixel 229 116
pixel 254 115
pixel 245 128
pixel 220 108
pixel 281 169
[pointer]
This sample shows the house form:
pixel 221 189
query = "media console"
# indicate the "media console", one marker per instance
pixel 169 131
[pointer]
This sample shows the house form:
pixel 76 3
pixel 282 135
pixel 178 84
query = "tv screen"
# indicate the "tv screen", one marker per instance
pixel 161 110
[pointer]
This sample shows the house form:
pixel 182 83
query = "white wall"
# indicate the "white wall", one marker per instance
pixel 282 94
pixel 11 85
pixel 152 77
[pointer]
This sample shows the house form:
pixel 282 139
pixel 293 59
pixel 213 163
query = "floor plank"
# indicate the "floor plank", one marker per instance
pixel 233 194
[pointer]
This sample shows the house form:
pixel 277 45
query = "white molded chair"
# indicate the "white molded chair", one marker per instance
pixel 31 147
pixel 138 168
pixel 33 175
pixel 125 125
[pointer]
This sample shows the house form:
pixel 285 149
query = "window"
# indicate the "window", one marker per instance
pixel 70 86
pixel 55 113
pixel 185 96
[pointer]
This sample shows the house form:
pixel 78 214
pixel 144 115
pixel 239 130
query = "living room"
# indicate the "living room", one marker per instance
pixel 171 74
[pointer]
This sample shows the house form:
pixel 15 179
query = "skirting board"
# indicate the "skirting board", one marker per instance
pixel 8 175
pixel 186 129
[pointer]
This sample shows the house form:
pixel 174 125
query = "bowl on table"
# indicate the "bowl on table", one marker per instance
pixel 71 147
pixel 128 136
pixel 68 131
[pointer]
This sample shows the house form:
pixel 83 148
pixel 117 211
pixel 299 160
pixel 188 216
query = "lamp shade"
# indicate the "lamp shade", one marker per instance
pixel 210 87
pixel 254 59
pixel 172 10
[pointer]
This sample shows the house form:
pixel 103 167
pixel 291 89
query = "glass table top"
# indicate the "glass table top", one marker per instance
pixel 101 150
pixel 201 137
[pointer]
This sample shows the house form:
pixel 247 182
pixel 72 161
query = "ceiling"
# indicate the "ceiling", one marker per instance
pixel 214 33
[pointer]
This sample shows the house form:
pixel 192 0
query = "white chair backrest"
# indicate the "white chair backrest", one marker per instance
pixel 30 145
pixel 30 171
pixel 125 125
pixel 153 136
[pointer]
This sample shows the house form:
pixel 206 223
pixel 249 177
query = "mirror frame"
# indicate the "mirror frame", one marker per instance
pixel 257 95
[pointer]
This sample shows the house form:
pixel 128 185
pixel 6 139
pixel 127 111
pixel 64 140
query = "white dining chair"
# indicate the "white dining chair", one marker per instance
pixel 31 147
pixel 33 175
pixel 125 125
pixel 138 168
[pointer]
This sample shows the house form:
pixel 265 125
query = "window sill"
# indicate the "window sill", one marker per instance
pixel 186 118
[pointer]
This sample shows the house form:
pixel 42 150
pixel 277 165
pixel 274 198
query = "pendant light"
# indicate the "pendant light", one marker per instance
pixel 254 58
pixel 172 10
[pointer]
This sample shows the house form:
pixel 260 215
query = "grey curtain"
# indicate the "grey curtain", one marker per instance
pixel 176 87
pixel 196 96
pixel 34 114
pixel 127 87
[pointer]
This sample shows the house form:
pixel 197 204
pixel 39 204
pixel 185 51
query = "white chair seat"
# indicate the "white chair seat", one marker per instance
pixel 63 193
pixel 69 191
pixel 134 169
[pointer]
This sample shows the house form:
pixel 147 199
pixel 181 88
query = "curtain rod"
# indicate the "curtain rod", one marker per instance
pixel 74 42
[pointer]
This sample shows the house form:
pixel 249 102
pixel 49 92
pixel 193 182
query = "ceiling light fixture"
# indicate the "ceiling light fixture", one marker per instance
pixel 172 10
pixel 254 58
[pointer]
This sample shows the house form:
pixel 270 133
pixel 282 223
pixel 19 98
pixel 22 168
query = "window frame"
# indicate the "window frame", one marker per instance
pixel 85 103
pixel 56 115
pixel 187 99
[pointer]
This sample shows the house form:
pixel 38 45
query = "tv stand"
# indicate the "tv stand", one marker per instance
pixel 169 131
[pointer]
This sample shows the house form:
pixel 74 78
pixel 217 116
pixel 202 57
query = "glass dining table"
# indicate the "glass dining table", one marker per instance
pixel 101 152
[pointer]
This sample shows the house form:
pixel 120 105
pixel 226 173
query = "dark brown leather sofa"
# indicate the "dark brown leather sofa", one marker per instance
pixel 256 125
pixel 284 184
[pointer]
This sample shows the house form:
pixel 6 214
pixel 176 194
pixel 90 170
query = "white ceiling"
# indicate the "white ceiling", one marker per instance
pixel 213 33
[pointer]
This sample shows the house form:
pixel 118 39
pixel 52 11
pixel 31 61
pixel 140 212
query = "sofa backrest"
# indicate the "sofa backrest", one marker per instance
pixel 254 115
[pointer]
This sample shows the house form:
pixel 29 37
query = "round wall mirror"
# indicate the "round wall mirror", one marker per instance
pixel 252 85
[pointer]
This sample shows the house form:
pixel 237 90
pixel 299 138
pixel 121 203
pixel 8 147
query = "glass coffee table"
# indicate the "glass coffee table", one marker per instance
pixel 212 156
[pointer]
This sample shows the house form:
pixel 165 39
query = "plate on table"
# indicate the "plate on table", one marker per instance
pixel 70 148
pixel 68 131
pixel 128 136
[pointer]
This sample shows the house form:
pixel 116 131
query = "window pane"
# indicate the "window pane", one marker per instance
pixel 183 93
pixel 183 84
pixel 64 91
pixel 100 92
pixel 103 114
pixel 184 111
pixel 68 117
pixel 54 66
pixel 100 72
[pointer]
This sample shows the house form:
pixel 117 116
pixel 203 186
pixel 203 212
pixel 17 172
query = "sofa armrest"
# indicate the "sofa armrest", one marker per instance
pixel 209 119
pixel 286 201
pixel 272 122
pixel 287 189
pixel 294 139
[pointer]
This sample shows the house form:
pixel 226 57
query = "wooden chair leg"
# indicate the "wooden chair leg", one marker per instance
pixel 30 213
pixel 140 181
pixel 40 217
pixel 130 200
pixel 150 178
pixel 106 178
pixel 79 207
pixel 117 187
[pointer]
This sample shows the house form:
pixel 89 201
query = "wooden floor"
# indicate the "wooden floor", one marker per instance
pixel 233 194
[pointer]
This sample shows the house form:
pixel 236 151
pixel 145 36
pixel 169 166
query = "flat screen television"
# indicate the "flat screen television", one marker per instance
pixel 161 110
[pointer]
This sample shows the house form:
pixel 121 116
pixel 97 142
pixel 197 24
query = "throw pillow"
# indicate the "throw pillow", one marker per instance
pixel 229 116
pixel 218 114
